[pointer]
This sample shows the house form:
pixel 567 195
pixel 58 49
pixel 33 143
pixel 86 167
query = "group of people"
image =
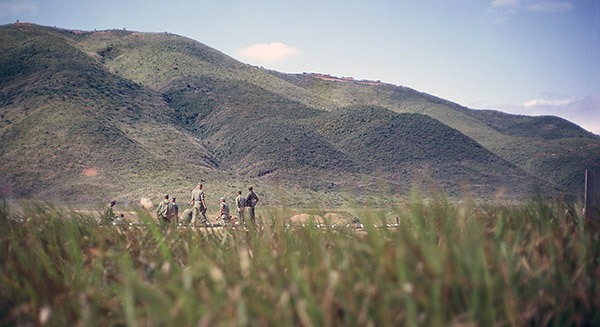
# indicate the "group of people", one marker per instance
pixel 168 210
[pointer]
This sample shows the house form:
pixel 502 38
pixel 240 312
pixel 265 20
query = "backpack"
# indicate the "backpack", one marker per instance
pixel 170 210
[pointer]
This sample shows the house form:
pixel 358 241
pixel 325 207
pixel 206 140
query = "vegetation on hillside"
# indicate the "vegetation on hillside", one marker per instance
pixel 72 130
pixel 152 111
pixel 408 146
pixel 548 147
pixel 544 127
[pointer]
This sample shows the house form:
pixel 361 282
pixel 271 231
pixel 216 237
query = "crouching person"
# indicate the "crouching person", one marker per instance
pixel 108 216
pixel 186 217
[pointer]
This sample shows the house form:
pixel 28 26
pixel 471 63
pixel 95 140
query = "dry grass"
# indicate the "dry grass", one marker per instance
pixel 446 265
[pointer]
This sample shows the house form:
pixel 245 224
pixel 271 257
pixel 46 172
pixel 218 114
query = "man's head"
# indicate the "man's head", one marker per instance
pixel 199 186
pixel 222 199
pixel 239 192
pixel 166 197
pixel 173 199
pixel 250 188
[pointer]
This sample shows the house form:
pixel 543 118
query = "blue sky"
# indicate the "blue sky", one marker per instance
pixel 531 57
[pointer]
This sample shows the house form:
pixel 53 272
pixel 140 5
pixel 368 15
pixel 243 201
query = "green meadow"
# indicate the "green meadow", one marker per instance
pixel 446 264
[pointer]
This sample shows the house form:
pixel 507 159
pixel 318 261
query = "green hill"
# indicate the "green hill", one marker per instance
pixel 328 93
pixel 88 115
pixel 72 129
pixel 407 146
pixel 549 147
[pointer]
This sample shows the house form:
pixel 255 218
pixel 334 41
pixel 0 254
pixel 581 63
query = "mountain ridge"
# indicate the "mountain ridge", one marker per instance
pixel 151 111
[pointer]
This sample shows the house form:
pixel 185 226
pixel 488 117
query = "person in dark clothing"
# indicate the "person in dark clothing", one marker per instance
pixel 251 200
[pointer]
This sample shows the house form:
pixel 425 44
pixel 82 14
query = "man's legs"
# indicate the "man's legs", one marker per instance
pixel 252 216
pixel 241 219
pixel 203 217
pixel 195 212
pixel 198 211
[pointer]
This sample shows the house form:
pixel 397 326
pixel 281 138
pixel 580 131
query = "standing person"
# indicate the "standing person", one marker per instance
pixel 224 212
pixel 198 206
pixel 165 209
pixel 240 203
pixel 251 200
pixel 175 209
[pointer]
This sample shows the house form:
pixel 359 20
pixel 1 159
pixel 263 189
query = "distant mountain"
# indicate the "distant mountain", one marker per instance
pixel 88 115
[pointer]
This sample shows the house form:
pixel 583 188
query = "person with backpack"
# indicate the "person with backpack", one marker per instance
pixel 165 210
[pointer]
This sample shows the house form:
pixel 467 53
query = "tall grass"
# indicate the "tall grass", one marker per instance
pixel 447 264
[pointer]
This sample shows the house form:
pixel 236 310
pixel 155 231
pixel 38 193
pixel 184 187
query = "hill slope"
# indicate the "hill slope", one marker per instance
pixel 549 147
pixel 91 114
pixel 70 126
pixel 540 147
pixel 405 146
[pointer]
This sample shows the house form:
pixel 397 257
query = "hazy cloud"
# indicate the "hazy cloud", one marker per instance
pixel 501 11
pixel 549 6
pixel 17 7
pixel 504 10
pixel 267 53
pixel 506 3
pixel 545 103
pixel 583 111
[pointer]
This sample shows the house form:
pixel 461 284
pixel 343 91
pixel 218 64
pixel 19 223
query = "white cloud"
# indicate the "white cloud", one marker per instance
pixel 16 7
pixel 552 103
pixel 267 53
pixel 506 3
pixel 501 11
pixel 549 6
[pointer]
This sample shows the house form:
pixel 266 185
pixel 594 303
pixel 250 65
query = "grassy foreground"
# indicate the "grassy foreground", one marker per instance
pixel 447 264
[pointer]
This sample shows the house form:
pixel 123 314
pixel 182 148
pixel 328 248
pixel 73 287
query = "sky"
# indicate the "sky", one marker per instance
pixel 531 57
